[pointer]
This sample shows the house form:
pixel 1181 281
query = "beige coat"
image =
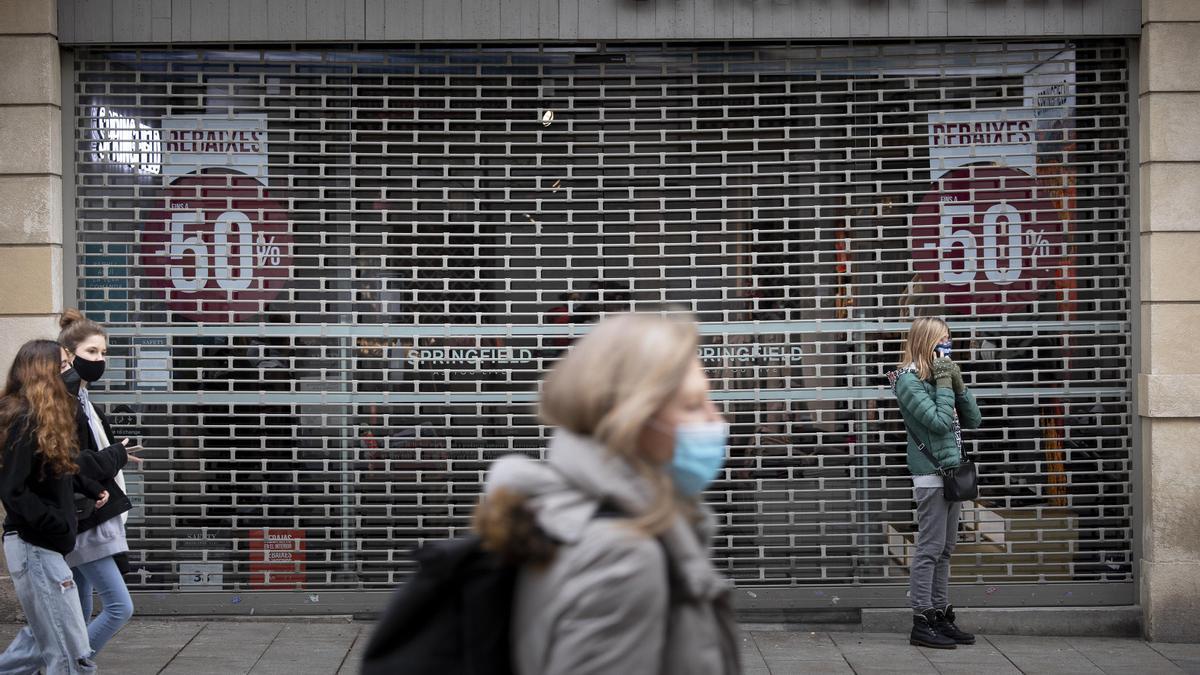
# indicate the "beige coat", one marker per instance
pixel 614 600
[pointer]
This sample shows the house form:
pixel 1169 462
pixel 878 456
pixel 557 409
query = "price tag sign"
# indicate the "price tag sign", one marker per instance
pixel 987 239
pixel 220 249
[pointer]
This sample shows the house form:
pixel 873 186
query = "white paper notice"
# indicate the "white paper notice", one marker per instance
pixel 237 142
pixel 1001 136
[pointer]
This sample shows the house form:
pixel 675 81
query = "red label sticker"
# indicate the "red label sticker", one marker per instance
pixel 220 249
pixel 986 239
pixel 277 559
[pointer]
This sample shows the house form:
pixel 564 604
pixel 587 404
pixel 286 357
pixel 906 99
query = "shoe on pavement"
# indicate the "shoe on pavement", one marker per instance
pixel 944 623
pixel 925 634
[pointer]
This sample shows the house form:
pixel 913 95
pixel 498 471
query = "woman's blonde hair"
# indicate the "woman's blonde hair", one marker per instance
pixel 613 381
pixel 924 334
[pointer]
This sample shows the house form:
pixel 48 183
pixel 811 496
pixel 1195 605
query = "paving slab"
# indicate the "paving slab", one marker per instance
pixel 878 652
pixel 1032 644
pixel 981 657
pixel 811 646
pixel 352 664
pixel 1035 655
pixel 1005 668
pixel 751 658
pixel 1054 665
pixel 888 670
pixel 838 667
pixel 1190 666
pixel 146 647
pixel 1176 651
pixel 1117 657
pixel 307 648
pixel 224 649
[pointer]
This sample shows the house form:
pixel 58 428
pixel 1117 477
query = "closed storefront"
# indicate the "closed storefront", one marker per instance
pixel 334 276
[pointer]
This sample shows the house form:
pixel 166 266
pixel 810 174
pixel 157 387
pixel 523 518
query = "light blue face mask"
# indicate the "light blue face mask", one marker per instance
pixel 699 455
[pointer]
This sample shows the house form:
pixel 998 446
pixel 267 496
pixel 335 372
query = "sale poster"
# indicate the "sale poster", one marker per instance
pixel 988 236
pixel 220 248
pixel 277 559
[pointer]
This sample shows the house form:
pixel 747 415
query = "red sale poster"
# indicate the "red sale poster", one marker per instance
pixel 277 559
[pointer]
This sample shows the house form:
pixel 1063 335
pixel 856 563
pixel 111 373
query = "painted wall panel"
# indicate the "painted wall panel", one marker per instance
pixel 245 17
pixel 129 21
pixel 210 20
pixel 373 10
pixel 285 21
pixel 356 19
pixel 326 20
pixel 181 20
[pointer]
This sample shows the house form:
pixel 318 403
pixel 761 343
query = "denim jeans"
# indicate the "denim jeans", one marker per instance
pixel 937 533
pixel 55 637
pixel 116 607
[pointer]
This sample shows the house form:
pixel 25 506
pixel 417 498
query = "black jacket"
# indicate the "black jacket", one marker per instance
pixel 102 465
pixel 40 506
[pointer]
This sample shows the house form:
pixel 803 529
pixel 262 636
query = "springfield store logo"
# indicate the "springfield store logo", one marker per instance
pixel 713 355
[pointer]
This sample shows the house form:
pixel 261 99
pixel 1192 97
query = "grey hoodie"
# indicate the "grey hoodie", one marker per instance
pixel 613 600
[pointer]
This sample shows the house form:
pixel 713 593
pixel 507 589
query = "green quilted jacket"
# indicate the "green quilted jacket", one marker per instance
pixel 929 412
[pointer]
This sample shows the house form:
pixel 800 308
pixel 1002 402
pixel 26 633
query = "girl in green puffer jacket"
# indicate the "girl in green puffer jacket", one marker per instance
pixel 936 406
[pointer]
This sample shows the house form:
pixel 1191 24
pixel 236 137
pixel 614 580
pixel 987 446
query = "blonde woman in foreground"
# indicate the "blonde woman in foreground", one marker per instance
pixel 611 531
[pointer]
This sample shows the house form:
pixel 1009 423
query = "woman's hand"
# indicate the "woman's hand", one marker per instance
pixel 103 500
pixel 943 372
pixel 957 380
pixel 134 458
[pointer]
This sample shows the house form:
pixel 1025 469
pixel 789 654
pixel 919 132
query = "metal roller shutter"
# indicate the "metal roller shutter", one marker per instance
pixel 329 324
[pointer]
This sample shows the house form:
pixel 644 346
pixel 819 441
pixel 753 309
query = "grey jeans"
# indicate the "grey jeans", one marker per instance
pixel 937 532
pixel 56 636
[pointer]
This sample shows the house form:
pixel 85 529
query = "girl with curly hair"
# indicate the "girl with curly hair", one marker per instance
pixel 38 479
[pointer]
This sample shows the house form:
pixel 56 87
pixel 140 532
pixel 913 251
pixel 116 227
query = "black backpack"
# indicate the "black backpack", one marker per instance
pixel 451 618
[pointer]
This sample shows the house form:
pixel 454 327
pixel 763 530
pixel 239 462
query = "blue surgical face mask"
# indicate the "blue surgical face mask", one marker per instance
pixel 699 455
pixel 942 349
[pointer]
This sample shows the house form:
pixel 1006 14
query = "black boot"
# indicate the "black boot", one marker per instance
pixel 944 623
pixel 924 633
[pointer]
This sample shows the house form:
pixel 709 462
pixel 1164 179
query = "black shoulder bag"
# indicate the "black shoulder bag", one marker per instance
pixel 960 483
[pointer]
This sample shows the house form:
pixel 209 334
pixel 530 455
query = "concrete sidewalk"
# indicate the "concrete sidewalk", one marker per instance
pixel 322 646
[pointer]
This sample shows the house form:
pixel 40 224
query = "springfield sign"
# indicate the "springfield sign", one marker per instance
pixel 202 141
pixel 498 356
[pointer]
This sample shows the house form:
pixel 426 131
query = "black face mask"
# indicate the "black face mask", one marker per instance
pixel 72 380
pixel 90 371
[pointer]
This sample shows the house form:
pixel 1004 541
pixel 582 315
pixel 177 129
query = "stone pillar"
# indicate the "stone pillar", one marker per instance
pixel 31 233
pixel 1169 381
pixel 31 237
